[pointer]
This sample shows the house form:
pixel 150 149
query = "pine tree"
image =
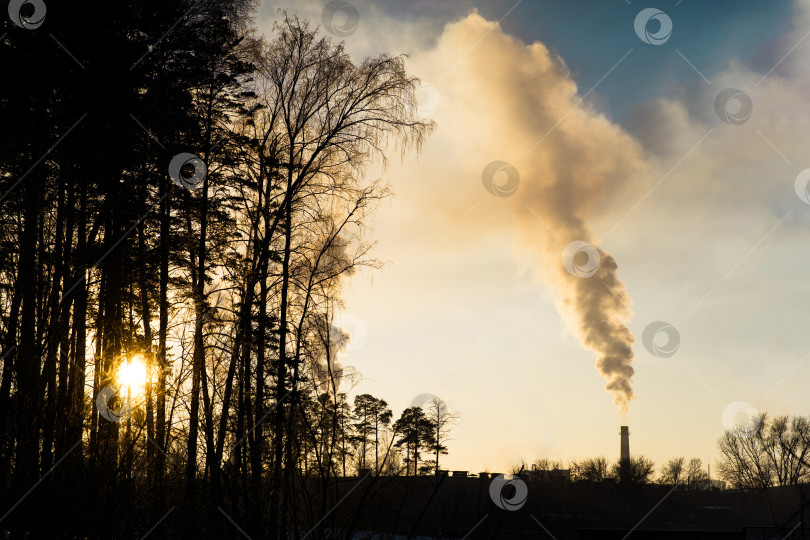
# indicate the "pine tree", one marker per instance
pixel 415 434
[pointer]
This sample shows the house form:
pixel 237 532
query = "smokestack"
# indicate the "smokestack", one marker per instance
pixel 625 447
pixel 624 461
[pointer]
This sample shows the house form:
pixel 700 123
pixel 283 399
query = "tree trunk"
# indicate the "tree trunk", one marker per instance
pixel 27 361
pixel 277 510
pixel 77 374
pixel 53 334
pixel 163 326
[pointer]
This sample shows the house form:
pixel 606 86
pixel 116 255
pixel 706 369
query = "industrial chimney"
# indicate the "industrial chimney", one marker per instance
pixel 625 448
pixel 624 460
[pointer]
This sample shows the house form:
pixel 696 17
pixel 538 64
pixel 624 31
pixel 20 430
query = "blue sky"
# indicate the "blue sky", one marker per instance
pixel 593 34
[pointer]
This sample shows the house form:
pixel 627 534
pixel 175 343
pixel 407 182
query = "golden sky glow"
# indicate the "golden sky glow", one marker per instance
pixel 701 217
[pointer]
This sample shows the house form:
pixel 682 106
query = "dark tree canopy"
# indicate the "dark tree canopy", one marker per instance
pixel 181 199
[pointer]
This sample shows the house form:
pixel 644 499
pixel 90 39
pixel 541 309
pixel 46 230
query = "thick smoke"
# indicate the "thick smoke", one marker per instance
pixel 521 104
pixel 601 307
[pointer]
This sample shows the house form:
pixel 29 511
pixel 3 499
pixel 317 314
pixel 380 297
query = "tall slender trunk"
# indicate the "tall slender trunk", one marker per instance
pixel 53 334
pixel 94 416
pixel 257 436
pixel 146 317
pixel 111 336
pixel 194 412
pixel 163 327
pixel 9 354
pixel 77 374
pixel 66 333
pixel 277 509
pixel 438 446
pixel 198 284
pixel 241 352
pixel 27 360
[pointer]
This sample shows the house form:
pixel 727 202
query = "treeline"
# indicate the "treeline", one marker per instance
pixel 369 443
pixel 764 452
pixel 178 190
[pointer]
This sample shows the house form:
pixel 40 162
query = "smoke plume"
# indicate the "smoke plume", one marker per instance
pixel 520 103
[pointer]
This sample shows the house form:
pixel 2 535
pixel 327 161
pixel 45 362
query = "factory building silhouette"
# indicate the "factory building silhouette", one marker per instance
pixel 556 475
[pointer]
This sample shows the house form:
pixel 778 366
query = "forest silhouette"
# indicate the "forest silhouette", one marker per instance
pixel 182 195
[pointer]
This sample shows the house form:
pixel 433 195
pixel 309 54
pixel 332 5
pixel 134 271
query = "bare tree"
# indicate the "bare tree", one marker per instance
pixel 547 464
pixel 441 419
pixel 672 472
pixel 639 470
pixel 323 120
pixel 766 452
pixel 695 476
pixel 677 471
pixel 590 469
pixel 519 467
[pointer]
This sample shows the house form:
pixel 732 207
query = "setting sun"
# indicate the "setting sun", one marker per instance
pixel 132 375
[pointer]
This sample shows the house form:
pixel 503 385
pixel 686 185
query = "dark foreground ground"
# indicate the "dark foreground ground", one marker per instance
pixel 462 507
pixel 428 508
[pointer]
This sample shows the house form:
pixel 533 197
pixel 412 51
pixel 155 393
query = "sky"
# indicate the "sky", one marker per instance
pixel 624 137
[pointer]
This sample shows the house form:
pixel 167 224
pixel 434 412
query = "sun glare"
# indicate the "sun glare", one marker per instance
pixel 132 375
